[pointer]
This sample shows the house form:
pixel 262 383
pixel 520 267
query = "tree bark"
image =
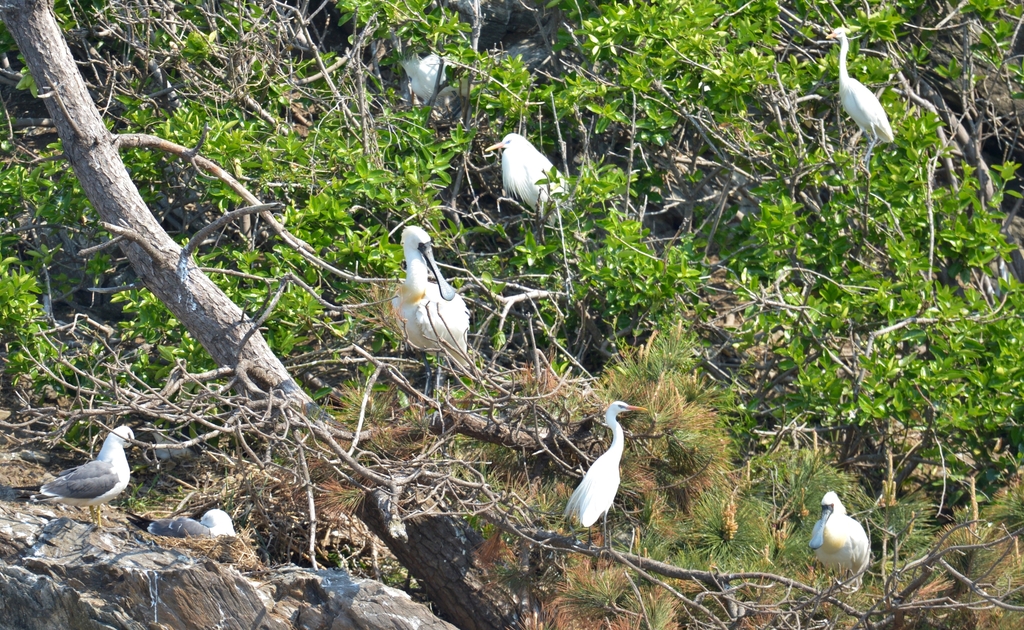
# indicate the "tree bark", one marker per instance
pixel 205 311
pixel 439 551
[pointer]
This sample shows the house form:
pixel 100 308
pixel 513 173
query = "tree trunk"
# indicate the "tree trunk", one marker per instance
pixel 439 551
pixel 205 311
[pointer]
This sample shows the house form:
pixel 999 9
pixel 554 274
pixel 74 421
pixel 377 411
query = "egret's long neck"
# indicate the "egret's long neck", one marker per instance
pixel 617 440
pixel 844 49
pixel 415 271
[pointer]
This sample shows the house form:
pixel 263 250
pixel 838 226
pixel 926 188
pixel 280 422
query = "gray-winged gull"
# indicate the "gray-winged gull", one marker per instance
pixel 96 482
pixel 214 523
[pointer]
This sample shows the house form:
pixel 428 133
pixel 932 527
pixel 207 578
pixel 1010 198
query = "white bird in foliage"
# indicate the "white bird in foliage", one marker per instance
pixel 434 316
pixel 859 102
pixel 596 493
pixel 522 167
pixel 423 75
pixel 839 541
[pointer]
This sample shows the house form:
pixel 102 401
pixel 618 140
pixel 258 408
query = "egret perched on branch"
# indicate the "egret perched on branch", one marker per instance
pixel 423 75
pixel 93 483
pixel 596 493
pixel 859 102
pixel 434 316
pixel 522 167
pixel 839 541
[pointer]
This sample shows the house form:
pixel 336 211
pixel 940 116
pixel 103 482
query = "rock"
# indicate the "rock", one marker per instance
pixel 497 19
pixel 60 573
pixel 36 457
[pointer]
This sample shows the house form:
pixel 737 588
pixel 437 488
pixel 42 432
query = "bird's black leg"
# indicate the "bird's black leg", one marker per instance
pixel 438 373
pixel 867 158
pixel 607 541
pixel 426 366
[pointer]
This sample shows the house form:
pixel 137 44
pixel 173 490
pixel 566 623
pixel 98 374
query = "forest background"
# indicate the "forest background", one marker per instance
pixel 793 322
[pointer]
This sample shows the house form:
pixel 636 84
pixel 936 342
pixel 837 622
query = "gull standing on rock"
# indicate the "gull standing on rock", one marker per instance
pixel 96 482
pixel 839 541
pixel 435 318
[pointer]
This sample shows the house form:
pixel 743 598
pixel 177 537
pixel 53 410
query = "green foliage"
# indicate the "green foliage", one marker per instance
pixel 856 300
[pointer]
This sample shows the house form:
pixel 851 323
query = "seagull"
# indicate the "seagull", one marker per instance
pixel 522 166
pixel 859 102
pixel 214 523
pixel 596 493
pixel 434 316
pixel 93 483
pixel 839 541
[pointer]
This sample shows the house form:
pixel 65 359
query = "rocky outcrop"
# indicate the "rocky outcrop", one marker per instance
pixel 61 573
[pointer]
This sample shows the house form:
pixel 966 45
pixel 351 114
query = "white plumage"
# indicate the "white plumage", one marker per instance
pixel 434 316
pixel 94 483
pixel 839 541
pixel 859 102
pixel 423 75
pixel 214 523
pixel 522 167
pixel 596 493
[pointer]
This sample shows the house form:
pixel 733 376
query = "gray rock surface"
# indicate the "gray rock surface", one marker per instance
pixel 59 573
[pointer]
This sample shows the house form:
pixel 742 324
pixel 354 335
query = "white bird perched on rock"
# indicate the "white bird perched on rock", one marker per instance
pixel 522 167
pixel 96 482
pixel 214 523
pixel 859 102
pixel 839 541
pixel 434 316
pixel 596 493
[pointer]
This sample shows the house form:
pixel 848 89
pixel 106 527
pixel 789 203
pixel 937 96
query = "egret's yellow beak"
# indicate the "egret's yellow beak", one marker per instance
pixel 634 408
pixel 500 145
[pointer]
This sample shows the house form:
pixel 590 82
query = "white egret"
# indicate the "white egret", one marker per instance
pixel 434 316
pixel 596 493
pixel 839 541
pixel 214 523
pixel 93 483
pixel 522 166
pixel 859 102
pixel 423 75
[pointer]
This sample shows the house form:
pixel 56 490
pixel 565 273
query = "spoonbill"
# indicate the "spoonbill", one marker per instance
pixel 858 101
pixel 93 483
pixel 214 523
pixel 839 541
pixel 434 316
pixel 596 493
pixel 522 166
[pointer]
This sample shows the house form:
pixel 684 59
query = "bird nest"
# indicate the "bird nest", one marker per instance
pixel 234 550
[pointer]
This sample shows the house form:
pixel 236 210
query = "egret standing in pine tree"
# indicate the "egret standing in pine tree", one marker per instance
pixel 859 102
pixel 596 493
pixel 839 541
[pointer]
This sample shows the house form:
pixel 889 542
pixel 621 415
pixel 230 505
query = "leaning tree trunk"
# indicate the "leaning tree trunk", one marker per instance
pixel 440 551
pixel 208 314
